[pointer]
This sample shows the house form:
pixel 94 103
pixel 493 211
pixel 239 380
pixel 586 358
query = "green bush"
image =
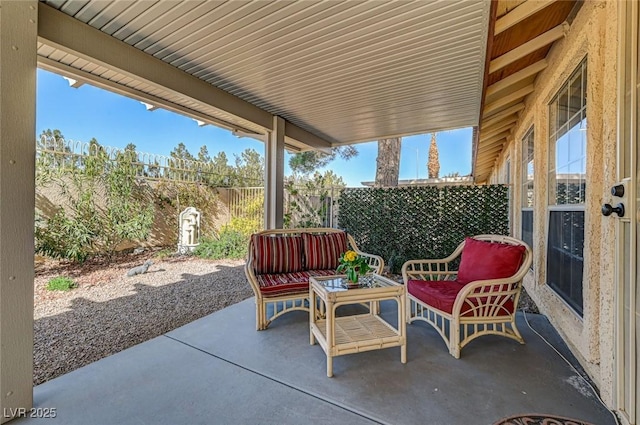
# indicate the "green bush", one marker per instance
pixel 230 243
pixel 104 205
pixel 61 283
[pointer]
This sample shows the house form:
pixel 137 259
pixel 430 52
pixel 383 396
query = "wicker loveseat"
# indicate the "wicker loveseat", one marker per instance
pixel 477 297
pixel 281 261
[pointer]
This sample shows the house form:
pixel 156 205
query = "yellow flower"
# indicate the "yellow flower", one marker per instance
pixel 350 255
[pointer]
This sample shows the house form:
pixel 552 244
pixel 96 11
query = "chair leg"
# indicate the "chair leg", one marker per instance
pixel 515 330
pixel 261 320
pixel 454 338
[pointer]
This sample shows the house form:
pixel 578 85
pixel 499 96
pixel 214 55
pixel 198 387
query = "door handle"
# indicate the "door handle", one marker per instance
pixel 607 210
pixel 618 190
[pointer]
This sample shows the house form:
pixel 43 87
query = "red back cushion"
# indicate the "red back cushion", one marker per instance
pixel 488 260
pixel 276 254
pixel 321 252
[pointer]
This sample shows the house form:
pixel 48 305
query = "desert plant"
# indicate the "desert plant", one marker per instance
pixel 61 283
pixel 105 205
pixel 230 243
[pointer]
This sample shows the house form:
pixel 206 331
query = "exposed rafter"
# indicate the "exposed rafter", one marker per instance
pixel 489 140
pixel 490 119
pixel 496 130
pixel 506 100
pixel 520 13
pixel 508 121
pixel 513 79
pixel 527 48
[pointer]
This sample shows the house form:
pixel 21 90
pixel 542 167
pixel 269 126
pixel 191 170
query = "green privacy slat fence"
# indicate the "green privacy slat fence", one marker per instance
pixel 421 222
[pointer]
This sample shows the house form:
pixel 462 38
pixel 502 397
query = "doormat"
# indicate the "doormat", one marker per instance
pixel 538 419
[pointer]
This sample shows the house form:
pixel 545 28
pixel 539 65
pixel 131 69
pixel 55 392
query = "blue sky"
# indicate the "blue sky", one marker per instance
pixel 114 120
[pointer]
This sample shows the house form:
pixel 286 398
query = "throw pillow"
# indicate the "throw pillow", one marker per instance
pixel 276 254
pixel 488 260
pixel 321 252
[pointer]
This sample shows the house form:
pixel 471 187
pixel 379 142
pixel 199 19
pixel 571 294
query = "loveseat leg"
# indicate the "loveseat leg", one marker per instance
pixel 261 321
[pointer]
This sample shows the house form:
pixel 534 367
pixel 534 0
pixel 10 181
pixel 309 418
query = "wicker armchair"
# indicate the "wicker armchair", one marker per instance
pixel 281 261
pixel 480 297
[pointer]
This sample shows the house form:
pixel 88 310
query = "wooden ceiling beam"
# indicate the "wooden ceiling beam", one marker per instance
pixel 510 98
pixel 490 119
pixel 490 140
pixel 488 163
pixel 504 122
pixel 517 77
pixel 485 134
pixel 520 13
pixel 495 150
pixel 527 48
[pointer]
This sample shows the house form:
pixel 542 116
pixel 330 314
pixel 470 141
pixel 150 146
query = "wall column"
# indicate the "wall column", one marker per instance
pixel 274 178
pixel 18 32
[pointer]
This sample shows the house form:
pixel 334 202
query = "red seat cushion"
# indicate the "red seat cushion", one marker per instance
pixel 315 273
pixel 321 252
pixel 274 285
pixel 488 260
pixel 441 294
pixel 276 254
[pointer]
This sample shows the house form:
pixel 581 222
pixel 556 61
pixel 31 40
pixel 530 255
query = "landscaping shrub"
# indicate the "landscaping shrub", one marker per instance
pixel 104 205
pixel 61 283
pixel 230 243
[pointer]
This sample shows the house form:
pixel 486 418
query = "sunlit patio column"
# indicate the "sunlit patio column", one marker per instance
pixel 18 32
pixel 274 178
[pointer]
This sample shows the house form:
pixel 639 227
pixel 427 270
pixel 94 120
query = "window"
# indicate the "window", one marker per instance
pixel 527 188
pixel 567 185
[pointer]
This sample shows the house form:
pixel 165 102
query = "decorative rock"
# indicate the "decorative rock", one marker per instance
pixel 140 269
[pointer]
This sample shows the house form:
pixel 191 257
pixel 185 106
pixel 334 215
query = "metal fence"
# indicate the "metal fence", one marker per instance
pixel 70 156
pixel 304 205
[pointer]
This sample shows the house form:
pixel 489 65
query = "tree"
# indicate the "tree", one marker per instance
pixel 203 155
pixel 181 152
pixel 308 162
pixel 388 162
pixel 221 170
pixel 182 162
pixel 249 169
pixel 53 154
pixel 433 165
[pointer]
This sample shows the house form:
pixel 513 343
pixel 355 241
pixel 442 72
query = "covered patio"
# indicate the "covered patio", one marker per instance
pixel 300 76
pixel 220 370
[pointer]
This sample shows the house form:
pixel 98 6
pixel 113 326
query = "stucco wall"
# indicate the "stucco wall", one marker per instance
pixel 593 34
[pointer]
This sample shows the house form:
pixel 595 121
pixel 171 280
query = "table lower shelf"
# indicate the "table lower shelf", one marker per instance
pixel 354 334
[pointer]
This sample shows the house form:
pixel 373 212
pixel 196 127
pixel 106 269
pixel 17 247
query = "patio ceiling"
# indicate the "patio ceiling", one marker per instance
pixel 520 37
pixel 337 72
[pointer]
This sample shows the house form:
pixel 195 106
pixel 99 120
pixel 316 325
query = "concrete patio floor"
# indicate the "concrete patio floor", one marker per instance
pixel 220 370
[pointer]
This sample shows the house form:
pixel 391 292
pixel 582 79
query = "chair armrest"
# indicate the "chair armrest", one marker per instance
pixel 376 262
pixel 427 270
pixel 488 297
pixel 251 277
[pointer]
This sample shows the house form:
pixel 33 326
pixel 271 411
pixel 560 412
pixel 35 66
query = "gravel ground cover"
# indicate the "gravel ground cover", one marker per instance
pixel 109 311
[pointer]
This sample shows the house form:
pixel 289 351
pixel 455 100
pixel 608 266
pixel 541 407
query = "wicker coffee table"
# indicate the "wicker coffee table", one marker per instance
pixel 356 333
